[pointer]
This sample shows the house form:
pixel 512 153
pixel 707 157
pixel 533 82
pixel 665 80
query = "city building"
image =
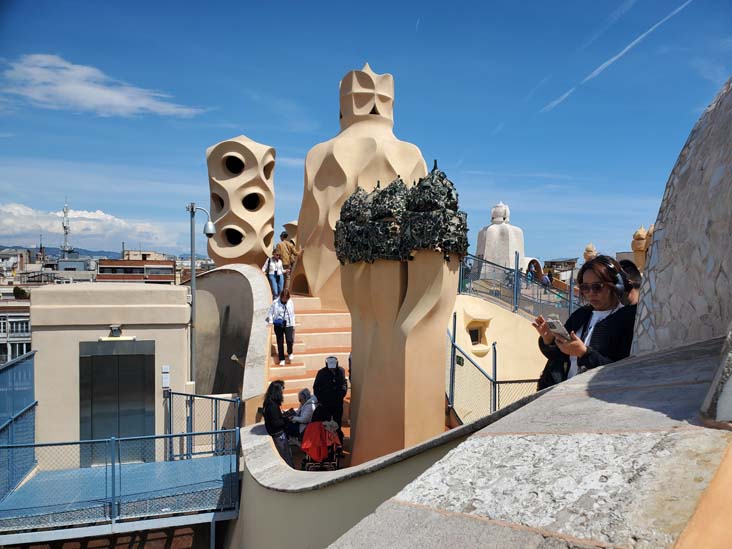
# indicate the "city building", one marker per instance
pixel 142 255
pixel 562 268
pixel 13 260
pixel 15 330
pixel 146 271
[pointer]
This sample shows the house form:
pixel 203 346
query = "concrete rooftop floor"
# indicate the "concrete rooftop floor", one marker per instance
pixel 614 457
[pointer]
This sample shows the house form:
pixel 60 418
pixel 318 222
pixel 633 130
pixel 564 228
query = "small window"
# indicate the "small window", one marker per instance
pixel 475 336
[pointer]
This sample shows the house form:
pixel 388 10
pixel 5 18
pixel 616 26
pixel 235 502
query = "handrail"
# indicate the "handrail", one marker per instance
pixel 16 360
pixel 495 396
pixel 522 276
pixel 118 439
pixel 17 415
pixel 466 355
pixel 209 397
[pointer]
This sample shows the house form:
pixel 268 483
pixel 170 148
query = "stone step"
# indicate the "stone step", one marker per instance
pixel 314 359
pixel 323 319
pixel 294 369
pixel 298 347
pixel 304 303
pixel 324 337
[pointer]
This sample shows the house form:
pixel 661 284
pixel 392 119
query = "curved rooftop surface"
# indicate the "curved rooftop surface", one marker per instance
pixel 616 456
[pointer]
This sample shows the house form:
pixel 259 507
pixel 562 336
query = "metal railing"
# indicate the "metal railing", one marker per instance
pixel 126 478
pixel 514 289
pixel 16 385
pixel 17 420
pixel 472 392
pixel 188 413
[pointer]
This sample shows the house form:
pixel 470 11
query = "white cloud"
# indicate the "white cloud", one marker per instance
pixel 51 82
pixel 617 13
pixel 22 225
pixel 602 67
pixel 633 44
pixel 536 88
pixel 47 181
pixel 553 104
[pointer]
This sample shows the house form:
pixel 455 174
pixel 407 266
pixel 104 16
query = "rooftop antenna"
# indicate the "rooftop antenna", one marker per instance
pixel 66 224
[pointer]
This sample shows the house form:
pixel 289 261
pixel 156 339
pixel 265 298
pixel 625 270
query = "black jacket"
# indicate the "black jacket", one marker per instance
pixel 330 386
pixel 610 342
pixel 274 421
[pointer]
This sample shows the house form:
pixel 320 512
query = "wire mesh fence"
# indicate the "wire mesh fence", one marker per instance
pixel 473 392
pixel 17 463
pixel 100 481
pixel 510 391
pixel 189 413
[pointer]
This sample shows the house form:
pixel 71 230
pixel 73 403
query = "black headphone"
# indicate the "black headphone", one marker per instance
pixel 620 283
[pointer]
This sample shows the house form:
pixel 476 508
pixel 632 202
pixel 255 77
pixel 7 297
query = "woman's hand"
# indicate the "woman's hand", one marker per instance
pixel 574 347
pixel 543 328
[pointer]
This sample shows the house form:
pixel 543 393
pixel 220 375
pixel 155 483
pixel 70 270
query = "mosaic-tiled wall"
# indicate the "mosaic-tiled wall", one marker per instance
pixel 686 294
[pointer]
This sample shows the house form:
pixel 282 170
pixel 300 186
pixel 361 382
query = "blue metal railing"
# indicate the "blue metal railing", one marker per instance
pixel 513 288
pixel 17 420
pixel 133 478
pixel 16 385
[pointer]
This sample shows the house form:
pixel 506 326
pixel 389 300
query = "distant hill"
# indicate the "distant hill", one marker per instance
pixel 50 250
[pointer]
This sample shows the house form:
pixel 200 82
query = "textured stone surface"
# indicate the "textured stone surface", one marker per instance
pixel 414 527
pixel 686 294
pixel 717 405
pixel 613 457
pixel 629 488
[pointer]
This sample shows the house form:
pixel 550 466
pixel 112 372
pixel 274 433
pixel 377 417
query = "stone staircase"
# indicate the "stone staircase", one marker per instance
pixel 319 333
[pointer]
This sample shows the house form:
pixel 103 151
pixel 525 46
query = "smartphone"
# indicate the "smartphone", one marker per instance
pixel 557 328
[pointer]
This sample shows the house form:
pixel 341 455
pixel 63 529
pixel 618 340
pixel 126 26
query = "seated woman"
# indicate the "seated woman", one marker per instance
pixel 303 415
pixel 601 332
pixel 274 421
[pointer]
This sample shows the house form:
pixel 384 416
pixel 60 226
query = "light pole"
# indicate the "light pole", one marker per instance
pixel 209 230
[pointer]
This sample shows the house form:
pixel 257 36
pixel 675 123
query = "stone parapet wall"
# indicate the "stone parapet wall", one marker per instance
pixel 686 294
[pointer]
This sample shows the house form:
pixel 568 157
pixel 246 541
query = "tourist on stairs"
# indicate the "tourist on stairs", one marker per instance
pixel 274 270
pixel 282 317
pixel 598 333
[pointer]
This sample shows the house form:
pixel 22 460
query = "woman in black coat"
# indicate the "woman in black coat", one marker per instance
pixel 274 421
pixel 600 332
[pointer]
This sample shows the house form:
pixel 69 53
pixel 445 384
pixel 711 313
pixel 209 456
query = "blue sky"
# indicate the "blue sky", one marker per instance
pixel 571 112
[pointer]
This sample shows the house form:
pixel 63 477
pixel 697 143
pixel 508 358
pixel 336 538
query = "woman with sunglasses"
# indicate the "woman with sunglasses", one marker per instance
pixel 601 332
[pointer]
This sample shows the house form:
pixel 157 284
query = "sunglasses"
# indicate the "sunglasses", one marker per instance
pixel 595 287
